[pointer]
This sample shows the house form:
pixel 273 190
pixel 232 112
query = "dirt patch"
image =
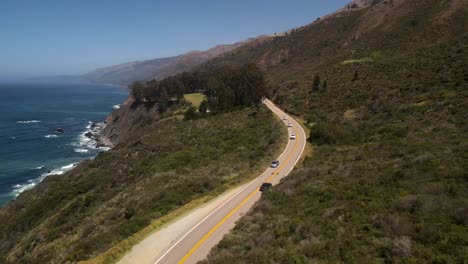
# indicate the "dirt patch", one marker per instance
pixel 349 114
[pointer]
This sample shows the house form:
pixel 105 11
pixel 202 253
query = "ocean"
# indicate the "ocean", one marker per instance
pixel 30 146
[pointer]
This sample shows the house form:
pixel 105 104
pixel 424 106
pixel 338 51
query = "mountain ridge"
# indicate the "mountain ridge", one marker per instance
pixel 158 68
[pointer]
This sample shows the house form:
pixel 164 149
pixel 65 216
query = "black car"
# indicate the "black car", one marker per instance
pixel 265 186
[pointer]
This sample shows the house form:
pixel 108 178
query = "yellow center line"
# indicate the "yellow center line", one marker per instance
pixel 225 218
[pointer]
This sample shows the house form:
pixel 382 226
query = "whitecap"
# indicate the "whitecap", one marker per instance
pixel 50 136
pixel 40 167
pixel 13 137
pixel 28 121
pixel 116 106
pixel 81 150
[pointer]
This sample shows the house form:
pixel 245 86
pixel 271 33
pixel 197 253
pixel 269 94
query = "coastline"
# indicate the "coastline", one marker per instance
pixel 47 136
pixel 92 138
pixel 95 133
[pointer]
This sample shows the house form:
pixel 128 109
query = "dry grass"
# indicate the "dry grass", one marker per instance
pixel 195 98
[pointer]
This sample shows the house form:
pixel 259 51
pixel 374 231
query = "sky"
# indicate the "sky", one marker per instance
pixel 61 37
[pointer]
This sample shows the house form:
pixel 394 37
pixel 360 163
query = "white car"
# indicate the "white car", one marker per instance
pixel 274 164
pixel 292 136
pixel 289 124
pixel 285 118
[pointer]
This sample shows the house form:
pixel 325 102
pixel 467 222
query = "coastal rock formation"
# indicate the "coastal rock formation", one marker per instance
pixel 126 120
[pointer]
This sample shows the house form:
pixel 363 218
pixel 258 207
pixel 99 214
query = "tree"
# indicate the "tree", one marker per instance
pixel 203 108
pixel 190 113
pixel 137 90
pixel 316 83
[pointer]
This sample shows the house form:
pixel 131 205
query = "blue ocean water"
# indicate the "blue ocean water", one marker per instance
pixel 30 149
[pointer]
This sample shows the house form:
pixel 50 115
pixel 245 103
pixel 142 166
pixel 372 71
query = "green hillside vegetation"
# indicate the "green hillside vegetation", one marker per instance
pixel 384 92
pixel 388 179
pixel 80 214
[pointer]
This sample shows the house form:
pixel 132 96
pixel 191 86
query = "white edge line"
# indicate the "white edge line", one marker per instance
pixel 232 197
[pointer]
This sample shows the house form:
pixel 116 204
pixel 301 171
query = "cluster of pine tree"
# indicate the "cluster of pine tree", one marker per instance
pixel 225 88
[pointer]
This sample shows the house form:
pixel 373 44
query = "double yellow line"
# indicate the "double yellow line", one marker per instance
pixel 214 228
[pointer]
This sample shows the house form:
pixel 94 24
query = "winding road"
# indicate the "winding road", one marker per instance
pixel 190 238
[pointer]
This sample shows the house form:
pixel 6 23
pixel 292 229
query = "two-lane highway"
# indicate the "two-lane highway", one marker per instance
pixel 195 242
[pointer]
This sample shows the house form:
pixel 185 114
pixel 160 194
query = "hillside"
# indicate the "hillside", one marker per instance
pixel 384 90
pixel 162 165
pixel 359 37
pixel 383 87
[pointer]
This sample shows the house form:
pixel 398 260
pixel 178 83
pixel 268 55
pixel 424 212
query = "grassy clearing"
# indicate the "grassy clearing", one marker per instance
pixel 195 98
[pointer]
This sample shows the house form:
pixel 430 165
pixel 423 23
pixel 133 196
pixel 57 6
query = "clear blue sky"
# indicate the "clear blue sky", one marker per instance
pixel 45 37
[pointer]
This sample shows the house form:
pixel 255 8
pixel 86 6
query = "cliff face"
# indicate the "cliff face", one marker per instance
pixel 128 120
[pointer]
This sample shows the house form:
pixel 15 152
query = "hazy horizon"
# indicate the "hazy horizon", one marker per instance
pixel 70 38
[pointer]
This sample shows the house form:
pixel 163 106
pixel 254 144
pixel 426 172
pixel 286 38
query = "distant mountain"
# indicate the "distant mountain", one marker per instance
pixel 126 73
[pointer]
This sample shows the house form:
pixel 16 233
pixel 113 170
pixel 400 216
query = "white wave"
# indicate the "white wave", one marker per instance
pixel 19 188
pixel 69 166
pixel 50 136
pixel 80 150
pixel 84 143
pixel 54 172
pixel 40 167
pixel 104 148
pixel 116 106
pixel 13 137
pixel 28 121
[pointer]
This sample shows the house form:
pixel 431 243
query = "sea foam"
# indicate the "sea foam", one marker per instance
pixel 28 121
pixel 19 188
pixel 81 150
